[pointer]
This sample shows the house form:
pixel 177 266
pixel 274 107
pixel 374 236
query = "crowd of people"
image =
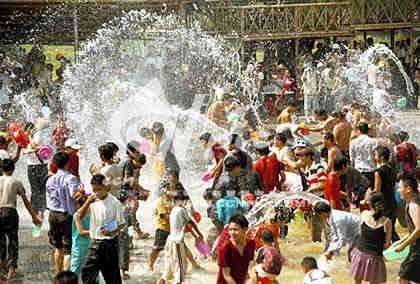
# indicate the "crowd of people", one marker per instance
pixel 363 168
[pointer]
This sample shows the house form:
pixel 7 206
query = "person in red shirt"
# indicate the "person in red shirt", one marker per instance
pixel 332 188
pixel 237 254
pixel 71 147
pixel 268 168
pixel 214 153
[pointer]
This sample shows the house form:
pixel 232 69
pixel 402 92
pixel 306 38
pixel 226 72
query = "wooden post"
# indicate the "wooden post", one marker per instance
pixel 392 39
pixel 364 39
pixel 411 51
pixel 75 32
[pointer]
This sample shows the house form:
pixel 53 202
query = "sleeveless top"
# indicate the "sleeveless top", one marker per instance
pixel 411 227
pixel 372 240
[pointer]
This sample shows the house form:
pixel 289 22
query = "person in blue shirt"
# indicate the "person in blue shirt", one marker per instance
pixel 229 204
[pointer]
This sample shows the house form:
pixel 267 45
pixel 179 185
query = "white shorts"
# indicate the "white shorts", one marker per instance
pixel 175 262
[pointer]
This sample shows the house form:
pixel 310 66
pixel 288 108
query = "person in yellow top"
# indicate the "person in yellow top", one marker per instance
pixel 163 209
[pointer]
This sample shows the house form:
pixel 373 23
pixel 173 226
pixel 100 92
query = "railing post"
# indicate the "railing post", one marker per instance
pixel 242 21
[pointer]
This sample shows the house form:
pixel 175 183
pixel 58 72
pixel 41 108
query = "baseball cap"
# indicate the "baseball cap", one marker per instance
pixel 72 143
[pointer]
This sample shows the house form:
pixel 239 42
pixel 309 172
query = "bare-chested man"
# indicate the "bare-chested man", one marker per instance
pixel 217 112
pixel 286 116
pixel 334 152
pixel 342 133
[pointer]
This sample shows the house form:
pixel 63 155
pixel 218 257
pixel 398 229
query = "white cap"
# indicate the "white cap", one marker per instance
pixel 72 143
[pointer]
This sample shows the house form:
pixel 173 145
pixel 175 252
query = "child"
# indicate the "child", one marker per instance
pixel 269 260
pixel 229 204
pixel 211 197
pixel 313 275
pixel 175 255
pixel 80 239
pixel 124 239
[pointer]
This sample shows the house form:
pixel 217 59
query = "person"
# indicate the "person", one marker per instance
pixel 124 237
pixel 10 188
pixel 211 197
pixel 362 153
pixel 341 228
pixel 37 168
pixel 80 238
pixel 217 112
pixel 62 189
pixel 406 154
pixel 66 277
pixel 71 147
pixel 334 152
pixel 314 275
pixel 367 262
pixel 268 261
pixel 385 179
pixel 111 170
pixel 283 152
pixel 268 168
pixel 229 204
pixel 235 150
pixel 163 209
pixel 130 183
pixel 106 222
pixel 409 270
pixel 332 187
pixel 175 250
pixel 214 153
pixel 287 115
pixel 236 255
pixel 342 133
pixel 4 154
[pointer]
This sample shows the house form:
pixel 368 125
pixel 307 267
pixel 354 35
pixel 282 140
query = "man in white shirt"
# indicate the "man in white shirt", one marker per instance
pixel 106 221
pixel 362 153
pixel 175 257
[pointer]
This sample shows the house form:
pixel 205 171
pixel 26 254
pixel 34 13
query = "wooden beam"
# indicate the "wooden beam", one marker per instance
pixel 384 26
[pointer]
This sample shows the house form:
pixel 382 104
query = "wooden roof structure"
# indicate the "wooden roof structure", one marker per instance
pixel 53 21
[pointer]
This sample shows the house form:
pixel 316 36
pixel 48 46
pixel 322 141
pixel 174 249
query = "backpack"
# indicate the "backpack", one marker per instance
pixel 273 261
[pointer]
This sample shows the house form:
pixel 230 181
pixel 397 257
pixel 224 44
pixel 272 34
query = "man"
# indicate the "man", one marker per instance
pixel 10 188
pixel 175 249
pixel 217 112
pixel 334 152
pixel 111 170
pixel 288 114
pixel 342 228
pixel 236 256
pixel 71 147
pixel 282 152
pixel 235 150
pixel 268 168
pixel 362 153
pixel 61 190
pixel 342 132
pixel 106 221
pixel 4 153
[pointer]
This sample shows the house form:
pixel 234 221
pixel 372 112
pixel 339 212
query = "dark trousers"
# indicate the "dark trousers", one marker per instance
pixel 102 256
pixel 9 225
pixel 37 175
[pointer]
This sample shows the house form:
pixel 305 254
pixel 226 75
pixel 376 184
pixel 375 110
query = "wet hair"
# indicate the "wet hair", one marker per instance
pixel 66 277
pixel 114 146
pixel 267 237
pixel 208 194
pixel 383 152
pixel 281 137
pixel 7 165
pixel 61 159
pixel 98 179
pixel 230 163
pixel 240 220
pixel 263 151
pixel 28 126
pixel 158 128
pixel 180 195
pixel 143 131
pixel 106 151
pixel 320 112
pixel 233 138
pixel 2 140
pixel 309 262
pixel 403 136
pixel 410 182
pixel 369 41
pixel 337 114
pixel 339 164
pixel 377 201
pixel 322 207
pixel 329 136
pixel 363 128
pixel 205 137
pixel 122 196
pixel 292 103
pixel 246 134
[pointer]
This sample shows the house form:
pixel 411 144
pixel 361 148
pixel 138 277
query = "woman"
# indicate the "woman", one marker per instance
pixel 367 263
pixel 385 178
pixel 410 267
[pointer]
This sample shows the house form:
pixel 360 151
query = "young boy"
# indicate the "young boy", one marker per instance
pixel 10 188
pixel 175 255
pixel 229 204
pixel 313 275
pixel 269 260
pixel 124 239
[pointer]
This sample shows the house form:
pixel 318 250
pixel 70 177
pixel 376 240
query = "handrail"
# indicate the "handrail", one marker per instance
pixel 291 5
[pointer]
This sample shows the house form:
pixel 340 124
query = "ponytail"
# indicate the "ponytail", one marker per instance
pixel 377 203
